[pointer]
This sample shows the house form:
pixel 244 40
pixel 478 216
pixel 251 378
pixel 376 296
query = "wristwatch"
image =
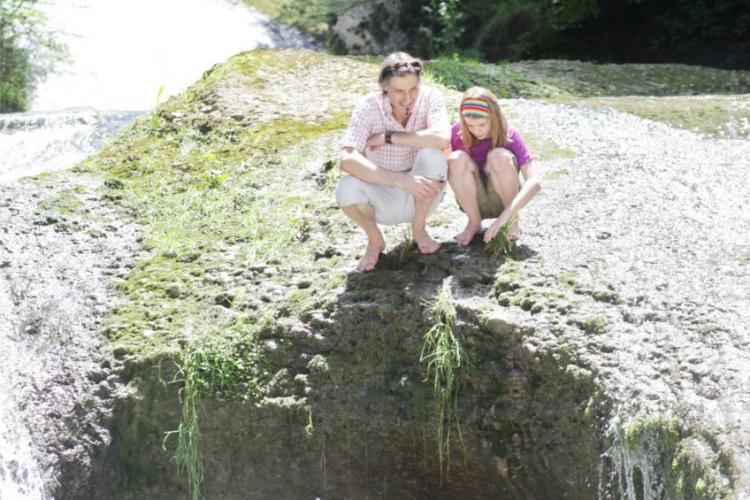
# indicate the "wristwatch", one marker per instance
pixel 388 137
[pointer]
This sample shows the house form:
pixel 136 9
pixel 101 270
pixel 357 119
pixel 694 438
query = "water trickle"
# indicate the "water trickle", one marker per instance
pixel 635 466
pixel 19 477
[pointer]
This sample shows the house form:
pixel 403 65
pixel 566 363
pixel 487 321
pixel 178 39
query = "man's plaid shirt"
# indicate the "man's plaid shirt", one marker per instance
pixel 374 115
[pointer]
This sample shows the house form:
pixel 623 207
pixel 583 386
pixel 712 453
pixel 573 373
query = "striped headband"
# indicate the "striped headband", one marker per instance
pixel 475 106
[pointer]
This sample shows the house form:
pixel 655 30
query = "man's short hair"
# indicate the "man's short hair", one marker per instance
pixel 398 64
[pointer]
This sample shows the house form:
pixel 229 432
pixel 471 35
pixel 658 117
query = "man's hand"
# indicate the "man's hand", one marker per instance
pixel 421 187
pixel 375 141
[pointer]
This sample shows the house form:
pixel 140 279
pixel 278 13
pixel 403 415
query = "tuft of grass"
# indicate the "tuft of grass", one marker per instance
pixel 443 355
pixel 501 244
pixel 210 366
pixel 154 119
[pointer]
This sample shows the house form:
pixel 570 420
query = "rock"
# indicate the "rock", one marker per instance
pixel 369 28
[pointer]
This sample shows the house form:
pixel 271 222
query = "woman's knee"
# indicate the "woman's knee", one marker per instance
pixel 459 163
pixel 501 160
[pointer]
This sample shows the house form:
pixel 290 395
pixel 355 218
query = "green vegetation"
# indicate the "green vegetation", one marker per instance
pixel 670 30
pixel 313 17
pixel 567 279
pixel 715 116
pixel 687 462
pixel 595 324
pixel 574 79
pixel 216 366
pixel 443 355
pixel 224 210
pixel 545 149
pixel 27 52
pixel 501 243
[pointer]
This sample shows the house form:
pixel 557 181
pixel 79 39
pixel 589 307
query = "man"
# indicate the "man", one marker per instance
pixel 392 152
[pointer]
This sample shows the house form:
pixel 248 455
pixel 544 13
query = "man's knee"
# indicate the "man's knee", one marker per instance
pixel 349 191
pixel 431 163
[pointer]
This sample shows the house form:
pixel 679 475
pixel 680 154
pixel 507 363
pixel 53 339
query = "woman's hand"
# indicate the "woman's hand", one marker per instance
pixel 491 231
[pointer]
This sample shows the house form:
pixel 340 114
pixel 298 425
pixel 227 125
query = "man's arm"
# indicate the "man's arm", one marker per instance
pixel 437 138
pixel 354 163
pixel 429 138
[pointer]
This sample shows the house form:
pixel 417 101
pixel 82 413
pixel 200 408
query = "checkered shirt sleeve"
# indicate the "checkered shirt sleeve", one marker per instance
pixel 360 126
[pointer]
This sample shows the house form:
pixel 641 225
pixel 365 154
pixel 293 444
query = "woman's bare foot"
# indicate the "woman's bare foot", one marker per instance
pixel 425 244
pixel 515 232
pixel 471 229
pixel 369 260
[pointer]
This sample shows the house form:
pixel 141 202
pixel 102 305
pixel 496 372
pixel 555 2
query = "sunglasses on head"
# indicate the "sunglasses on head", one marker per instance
pixel 404 67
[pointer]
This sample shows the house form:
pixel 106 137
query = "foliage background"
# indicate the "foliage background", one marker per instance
pixel 710 33
pixel 27 52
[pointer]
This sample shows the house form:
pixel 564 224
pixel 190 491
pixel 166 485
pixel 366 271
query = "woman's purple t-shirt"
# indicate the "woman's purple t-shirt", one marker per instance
pixel 480 150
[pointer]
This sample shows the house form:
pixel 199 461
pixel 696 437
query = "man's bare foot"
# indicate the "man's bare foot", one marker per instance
pixel 370 259
pixel 425 244
pixel 471 229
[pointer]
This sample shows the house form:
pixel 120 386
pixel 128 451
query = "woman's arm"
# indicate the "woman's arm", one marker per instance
pixel 531 187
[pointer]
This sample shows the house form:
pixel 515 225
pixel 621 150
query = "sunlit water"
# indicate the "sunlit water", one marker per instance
pixel 120 54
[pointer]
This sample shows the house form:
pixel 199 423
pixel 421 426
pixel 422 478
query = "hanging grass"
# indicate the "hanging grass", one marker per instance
pixel 217 367
pixel 443 355
pixel 188 455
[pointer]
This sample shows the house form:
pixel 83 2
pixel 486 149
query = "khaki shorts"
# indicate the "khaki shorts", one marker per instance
pixel 490 204
pixel 392 205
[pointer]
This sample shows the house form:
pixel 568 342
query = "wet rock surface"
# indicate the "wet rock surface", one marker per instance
pixel 59 261
pixel 611 346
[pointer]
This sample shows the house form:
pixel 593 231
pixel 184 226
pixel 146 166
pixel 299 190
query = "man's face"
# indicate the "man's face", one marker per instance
pixel 402 91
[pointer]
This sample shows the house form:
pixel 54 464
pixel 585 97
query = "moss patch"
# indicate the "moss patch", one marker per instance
pixel 544 149
pixel 715 116
pixel 579 79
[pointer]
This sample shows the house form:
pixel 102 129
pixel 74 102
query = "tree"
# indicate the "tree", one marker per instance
pixel 27 52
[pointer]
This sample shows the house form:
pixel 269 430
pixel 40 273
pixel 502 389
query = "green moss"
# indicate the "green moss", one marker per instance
pixel 564 79
pixel 595 324
pixel 556 174
pixel 210 195
pixel 606 296
pixel 567 279
pixel 717 116
pixel 700 487
pixel 545 149
pixel 285 132
pixel 66 201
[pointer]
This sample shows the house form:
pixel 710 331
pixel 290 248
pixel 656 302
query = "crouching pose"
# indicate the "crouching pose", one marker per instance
pixel 484 164
pixel 392 151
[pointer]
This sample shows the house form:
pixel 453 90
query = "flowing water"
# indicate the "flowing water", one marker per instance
pixel 120 55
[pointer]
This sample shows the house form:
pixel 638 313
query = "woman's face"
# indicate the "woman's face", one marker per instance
pixel 479 127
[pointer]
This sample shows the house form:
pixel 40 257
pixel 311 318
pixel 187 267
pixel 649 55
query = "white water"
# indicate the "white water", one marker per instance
pixel 121 53
pixel 19 477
